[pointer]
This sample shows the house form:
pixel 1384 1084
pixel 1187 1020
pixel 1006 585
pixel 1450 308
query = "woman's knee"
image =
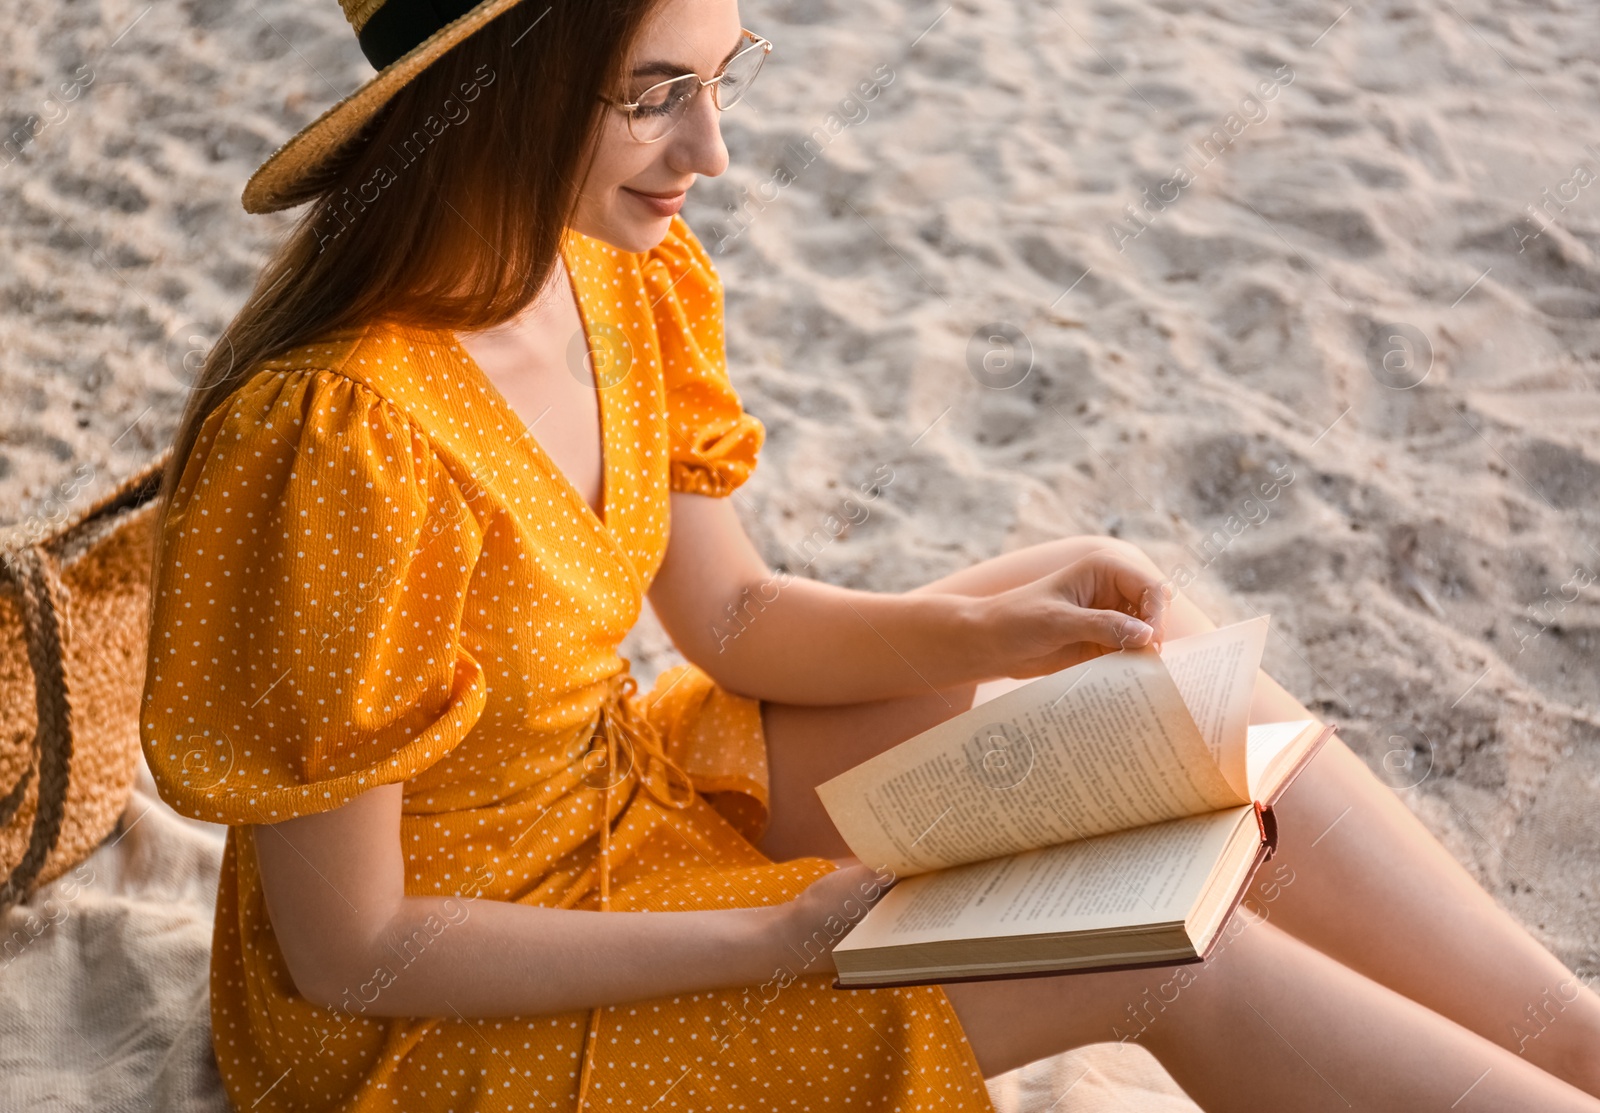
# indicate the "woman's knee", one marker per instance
pixel 1126 549
pixel 1134 555
pixel 1009 570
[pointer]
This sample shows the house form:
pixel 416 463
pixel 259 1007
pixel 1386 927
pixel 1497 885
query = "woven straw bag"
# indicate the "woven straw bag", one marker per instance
pixel 74 603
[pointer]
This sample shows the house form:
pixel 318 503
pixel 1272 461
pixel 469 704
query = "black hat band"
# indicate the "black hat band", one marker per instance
pixel 400 26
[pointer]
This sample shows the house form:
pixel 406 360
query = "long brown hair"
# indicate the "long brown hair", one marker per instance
pixel 448 210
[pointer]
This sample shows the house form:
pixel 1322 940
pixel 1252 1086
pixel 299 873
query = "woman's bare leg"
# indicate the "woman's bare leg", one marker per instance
pixel 1368 885
pixel 1267 1023
pixel 807 745
pixel 1372 888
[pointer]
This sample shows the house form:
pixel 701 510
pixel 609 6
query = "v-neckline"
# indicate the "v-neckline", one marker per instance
pixel 601 520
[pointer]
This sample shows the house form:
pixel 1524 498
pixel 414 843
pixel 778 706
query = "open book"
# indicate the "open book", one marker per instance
pixel 1106 816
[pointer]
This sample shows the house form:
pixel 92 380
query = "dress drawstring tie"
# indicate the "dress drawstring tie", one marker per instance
pixel 629 745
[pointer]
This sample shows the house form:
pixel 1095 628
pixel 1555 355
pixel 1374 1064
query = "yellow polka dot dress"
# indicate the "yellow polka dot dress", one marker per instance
pixel 373 574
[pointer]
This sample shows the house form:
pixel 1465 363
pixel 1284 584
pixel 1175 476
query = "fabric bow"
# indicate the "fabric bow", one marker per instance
pixel 623 746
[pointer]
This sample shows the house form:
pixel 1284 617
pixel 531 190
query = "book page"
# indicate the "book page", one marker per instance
pixel 1279 752
pixel 1128 879
pixel 1267 741
pixel 1105 746
pixel 1216 674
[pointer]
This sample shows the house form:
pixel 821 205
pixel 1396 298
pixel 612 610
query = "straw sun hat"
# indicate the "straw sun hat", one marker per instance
pixel 400 38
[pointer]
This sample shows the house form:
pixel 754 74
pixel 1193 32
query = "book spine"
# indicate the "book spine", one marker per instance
pixel 1267 820
pixel 1118 966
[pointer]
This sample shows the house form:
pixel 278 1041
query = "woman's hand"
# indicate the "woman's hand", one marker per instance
pixel 1098 604
pixel 828 908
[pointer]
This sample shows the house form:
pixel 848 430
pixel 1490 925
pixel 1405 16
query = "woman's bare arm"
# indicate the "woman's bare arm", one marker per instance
pixel 793 640
pixel 334 886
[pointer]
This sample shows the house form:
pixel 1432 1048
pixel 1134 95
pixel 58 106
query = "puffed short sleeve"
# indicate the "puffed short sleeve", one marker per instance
pixel 305 637
pixel 714 443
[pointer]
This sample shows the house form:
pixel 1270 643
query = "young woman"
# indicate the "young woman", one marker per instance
pixel 470 866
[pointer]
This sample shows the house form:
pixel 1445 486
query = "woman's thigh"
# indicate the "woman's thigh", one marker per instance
pixel 807 745
pixel 1266 1022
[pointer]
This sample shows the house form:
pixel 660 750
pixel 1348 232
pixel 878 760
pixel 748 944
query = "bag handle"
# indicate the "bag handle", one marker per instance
pixel 39 589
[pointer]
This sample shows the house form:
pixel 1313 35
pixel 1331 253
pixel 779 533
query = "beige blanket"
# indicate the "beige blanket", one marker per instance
pixel 103 991
pixel 103 981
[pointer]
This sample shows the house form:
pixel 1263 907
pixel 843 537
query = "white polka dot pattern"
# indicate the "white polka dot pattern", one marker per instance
pixel 373 575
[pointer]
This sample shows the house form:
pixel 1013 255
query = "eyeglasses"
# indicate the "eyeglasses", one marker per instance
pixel 659 109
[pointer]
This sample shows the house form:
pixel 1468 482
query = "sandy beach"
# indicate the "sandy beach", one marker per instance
pixel 1300 297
